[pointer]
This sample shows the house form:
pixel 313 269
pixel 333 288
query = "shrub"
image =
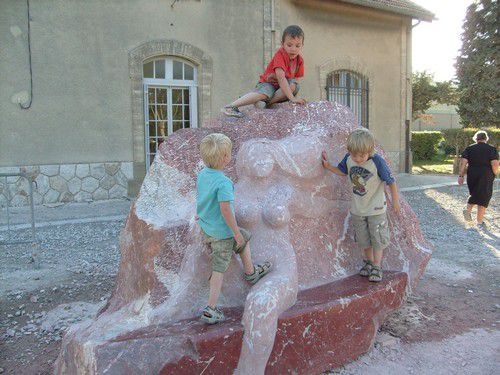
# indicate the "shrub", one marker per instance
pixel 456 140
pixel 425 144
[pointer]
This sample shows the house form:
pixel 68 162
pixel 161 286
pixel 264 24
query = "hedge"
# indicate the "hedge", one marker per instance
pixel 456 140
pixel 424 144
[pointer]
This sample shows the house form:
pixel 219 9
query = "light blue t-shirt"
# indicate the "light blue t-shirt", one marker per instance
pixel 213 187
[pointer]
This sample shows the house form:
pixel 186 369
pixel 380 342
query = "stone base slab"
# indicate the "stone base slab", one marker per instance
pixel 329 326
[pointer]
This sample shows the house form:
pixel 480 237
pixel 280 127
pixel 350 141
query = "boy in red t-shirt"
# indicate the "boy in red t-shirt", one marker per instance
pixel 279 81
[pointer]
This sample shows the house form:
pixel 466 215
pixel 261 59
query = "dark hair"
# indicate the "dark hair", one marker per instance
pixel 292 31
pixel 480 135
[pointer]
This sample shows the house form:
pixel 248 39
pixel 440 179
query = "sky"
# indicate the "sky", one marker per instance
pixel 436 44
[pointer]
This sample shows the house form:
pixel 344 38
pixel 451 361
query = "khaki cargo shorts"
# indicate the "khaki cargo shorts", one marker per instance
pixel 371 231
pixel 269 90
pixel 222 250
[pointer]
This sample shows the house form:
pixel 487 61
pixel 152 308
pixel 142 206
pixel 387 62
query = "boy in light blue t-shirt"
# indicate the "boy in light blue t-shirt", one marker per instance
pixel 215 196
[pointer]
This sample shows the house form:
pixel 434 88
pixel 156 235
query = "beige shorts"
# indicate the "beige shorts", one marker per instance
pixel 371 231
pixel 222 250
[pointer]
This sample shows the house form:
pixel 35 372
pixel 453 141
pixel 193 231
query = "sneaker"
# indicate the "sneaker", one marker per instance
pixel 482 226
pixel 366 269
pixel 232 111
pixel 467 215
pixel 259 272
pixel 212 316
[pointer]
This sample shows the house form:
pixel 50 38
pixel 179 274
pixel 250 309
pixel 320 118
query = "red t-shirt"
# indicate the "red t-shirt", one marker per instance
pixel 292 68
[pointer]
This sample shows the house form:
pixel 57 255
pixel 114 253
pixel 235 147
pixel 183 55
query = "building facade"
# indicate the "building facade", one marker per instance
pixel 438 117
pixel 91 88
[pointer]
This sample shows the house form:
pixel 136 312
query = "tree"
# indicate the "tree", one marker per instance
pixel 426 92
pixel 479 103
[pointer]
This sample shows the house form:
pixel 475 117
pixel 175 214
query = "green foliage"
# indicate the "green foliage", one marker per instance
pixel 426 92
pixel 424 144
pixel 456 140
pixel 440 164
pixel 479 103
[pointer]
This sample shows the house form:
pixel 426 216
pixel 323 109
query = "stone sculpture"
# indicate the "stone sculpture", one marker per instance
pixel 299 218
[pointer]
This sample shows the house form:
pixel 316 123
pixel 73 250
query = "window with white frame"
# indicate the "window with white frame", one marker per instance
pixel 350 89
pixel 170 100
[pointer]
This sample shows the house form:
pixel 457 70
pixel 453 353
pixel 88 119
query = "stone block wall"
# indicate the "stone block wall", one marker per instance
pixel 66 183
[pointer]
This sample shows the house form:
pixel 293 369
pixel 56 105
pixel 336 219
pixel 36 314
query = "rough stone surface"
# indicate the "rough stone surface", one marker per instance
pixel 100 194
pixel 67 171
pixel 49 170
pixel 58 183
pixel 51 196
pixel 128 170
pixel 66 197
pixel 32 171
pixel 64 178
pixel 90 184
pixel 19 200
pixel 117 191
pixel 74 185
pixel 299 218
pixel 97 170
pixel 37 198
pixel 42 184
pixel 111 168
pixel 83 196
pixel 107 182
pixel 121 178
pixel 82 170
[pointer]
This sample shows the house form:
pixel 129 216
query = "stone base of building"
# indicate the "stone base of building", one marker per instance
pixel 66 183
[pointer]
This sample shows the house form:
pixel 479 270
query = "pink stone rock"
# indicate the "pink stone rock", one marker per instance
pixel 308 315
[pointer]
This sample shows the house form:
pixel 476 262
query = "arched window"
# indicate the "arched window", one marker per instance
pixel 351 89
pixel 170 100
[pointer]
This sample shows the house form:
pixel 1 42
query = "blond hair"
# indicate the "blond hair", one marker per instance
pixel 361 141
pixel 213 148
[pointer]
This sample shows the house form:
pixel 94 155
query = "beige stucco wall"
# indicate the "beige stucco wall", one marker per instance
pixel 81 110
pixel 370 42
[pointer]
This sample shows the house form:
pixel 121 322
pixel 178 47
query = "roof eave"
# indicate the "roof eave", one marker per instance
pixel 422 16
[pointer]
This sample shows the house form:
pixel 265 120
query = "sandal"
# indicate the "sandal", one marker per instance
pixel 212 316
pixel 375 274
pixel 366 269
pixel 259 272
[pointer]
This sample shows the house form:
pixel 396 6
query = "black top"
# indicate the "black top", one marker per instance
pixel 480 154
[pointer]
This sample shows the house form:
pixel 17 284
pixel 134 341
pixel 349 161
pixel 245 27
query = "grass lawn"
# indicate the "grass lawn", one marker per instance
pixel 440 164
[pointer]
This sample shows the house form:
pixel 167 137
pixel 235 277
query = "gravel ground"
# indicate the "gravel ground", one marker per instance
pixel 448 325
pixel 72 277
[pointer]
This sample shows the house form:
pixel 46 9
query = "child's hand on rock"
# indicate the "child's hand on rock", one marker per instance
pixel 324 159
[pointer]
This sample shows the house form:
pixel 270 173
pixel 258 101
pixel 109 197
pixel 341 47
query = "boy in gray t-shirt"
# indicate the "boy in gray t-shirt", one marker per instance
pixel 367 173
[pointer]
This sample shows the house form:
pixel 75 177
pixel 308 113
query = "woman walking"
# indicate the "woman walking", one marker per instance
pixel 482 162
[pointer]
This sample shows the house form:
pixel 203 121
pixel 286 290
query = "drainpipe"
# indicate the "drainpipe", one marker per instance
pixel 408 154
pixel 273 26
